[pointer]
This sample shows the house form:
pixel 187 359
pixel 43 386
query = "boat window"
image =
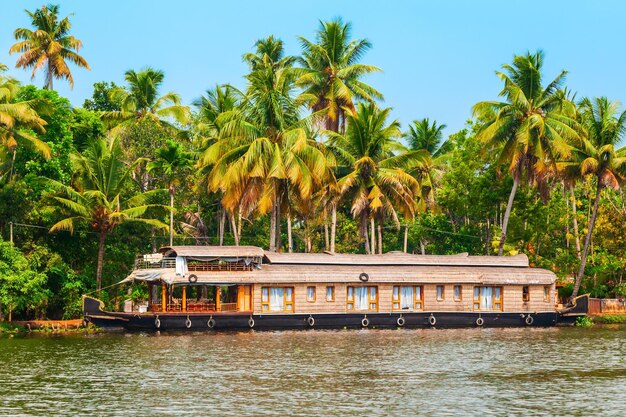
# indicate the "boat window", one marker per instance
pixel 362 298
pixel 440 292
pixel 526 293
pixel 310 294
pixel 458 293
pixel 488 298
pixel 277 299
pixel 330 293
pixel 407 297
pixel 546 294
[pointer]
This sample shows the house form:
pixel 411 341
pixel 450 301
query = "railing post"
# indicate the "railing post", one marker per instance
pixel 184 298
pixel 163 297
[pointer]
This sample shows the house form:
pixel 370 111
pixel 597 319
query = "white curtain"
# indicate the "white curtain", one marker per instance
pixel 277 300
pixel 406 298
pixel 181 265
pixel 361 301
pixel 486 299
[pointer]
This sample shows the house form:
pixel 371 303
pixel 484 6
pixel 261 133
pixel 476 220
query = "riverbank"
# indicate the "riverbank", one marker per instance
pixel 45 326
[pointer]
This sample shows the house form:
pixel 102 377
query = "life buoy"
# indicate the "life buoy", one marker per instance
pixel 311 321
pixel 193 278
pixel 157 323
pixel 480 321
pixel 400 321
pixel 251 322
pixel 210 323
pixel 188 323
pixel 365 322
pixel 364 277
pixel 432 320
pixel 529 320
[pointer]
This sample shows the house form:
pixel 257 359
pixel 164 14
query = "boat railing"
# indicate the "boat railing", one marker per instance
pixel 149 262
pixel 145 262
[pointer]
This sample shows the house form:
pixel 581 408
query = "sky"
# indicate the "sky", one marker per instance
pixel 438 57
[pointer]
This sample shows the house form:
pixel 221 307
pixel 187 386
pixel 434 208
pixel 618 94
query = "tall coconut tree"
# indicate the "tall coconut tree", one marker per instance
pixel 99 196
pixel 376 180
pixel 423 134
pixel 19 122
pixel 48 46
pixel 331 77
pixel 531 129
pixel 331 73
pixel 171 161
pixel 597 157
pixel 140 99
pixel 265 148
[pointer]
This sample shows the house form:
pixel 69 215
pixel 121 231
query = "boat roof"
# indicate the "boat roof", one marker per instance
pixel 329 258
pixel 306 273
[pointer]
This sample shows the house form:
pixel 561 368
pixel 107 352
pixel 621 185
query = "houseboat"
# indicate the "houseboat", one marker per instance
pixel 244 287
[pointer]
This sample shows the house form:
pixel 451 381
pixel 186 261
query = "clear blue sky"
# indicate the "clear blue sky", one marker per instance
pixel 438 57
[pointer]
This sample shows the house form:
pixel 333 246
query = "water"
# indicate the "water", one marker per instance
pixel 404 372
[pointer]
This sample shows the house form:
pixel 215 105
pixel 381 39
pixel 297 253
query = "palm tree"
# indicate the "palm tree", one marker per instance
pixel 331 78
pixel 97 196
pixel 19 121
pixel 429 137
pixel 531 129
pixel 596 156
pixel 376 180
pixel 141 100
pixel 49 45
pixel 172 161
pixel 331 72
pixel 264 149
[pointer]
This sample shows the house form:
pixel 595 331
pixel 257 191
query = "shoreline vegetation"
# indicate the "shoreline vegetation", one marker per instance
pixel 304 158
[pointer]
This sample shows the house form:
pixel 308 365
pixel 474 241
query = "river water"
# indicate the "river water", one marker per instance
pixel 557 371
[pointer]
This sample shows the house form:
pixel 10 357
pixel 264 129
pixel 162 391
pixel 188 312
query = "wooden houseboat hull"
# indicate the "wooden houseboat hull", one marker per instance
pixel 247 321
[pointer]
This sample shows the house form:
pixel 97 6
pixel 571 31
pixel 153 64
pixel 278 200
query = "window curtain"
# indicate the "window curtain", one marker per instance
pixel 181 265
pixel 277 300
pixel 486 299
pixel 406 298
pixel 310 293
pixel 361 301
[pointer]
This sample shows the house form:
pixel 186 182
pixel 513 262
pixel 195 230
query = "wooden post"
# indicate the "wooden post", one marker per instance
pixel 218 298
pixel 184 298
pixel 240 298
pixel 163 297
pixel 11 231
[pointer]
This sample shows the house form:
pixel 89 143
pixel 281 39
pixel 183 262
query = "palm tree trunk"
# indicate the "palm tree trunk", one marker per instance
pixel 333 228
pixel 380 238
pixel 289 236
pixel 326 234
pixel 373 235
pixel 576 234
pixel 507 214
pixel 233 225
pixel 272 247
pixel 12 164
pixel 171 217
pixel 239 226
pixel 422 247
pixel 48 85
pixel 103 236
pixel 583 258
pixel 222 226
pixel 364 232
pixel 406 238
pixel 278 240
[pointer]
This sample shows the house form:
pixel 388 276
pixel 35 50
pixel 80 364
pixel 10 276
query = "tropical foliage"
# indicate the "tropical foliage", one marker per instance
pixel 304 157
pixel 49 46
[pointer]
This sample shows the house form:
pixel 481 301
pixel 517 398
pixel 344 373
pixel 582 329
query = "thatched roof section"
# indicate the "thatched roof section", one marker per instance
pixel 394 259
pixel 213 251
pixel 293 274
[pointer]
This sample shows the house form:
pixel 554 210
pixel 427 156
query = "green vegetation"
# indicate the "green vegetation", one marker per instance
pixel 304 158
pixel 610 319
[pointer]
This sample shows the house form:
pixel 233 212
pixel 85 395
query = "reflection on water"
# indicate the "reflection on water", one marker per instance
pixel 318 373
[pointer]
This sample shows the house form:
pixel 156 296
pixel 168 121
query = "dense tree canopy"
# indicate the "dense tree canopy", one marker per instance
pixel 304 157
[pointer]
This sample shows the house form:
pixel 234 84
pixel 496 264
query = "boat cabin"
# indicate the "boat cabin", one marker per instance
pixel 249 280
